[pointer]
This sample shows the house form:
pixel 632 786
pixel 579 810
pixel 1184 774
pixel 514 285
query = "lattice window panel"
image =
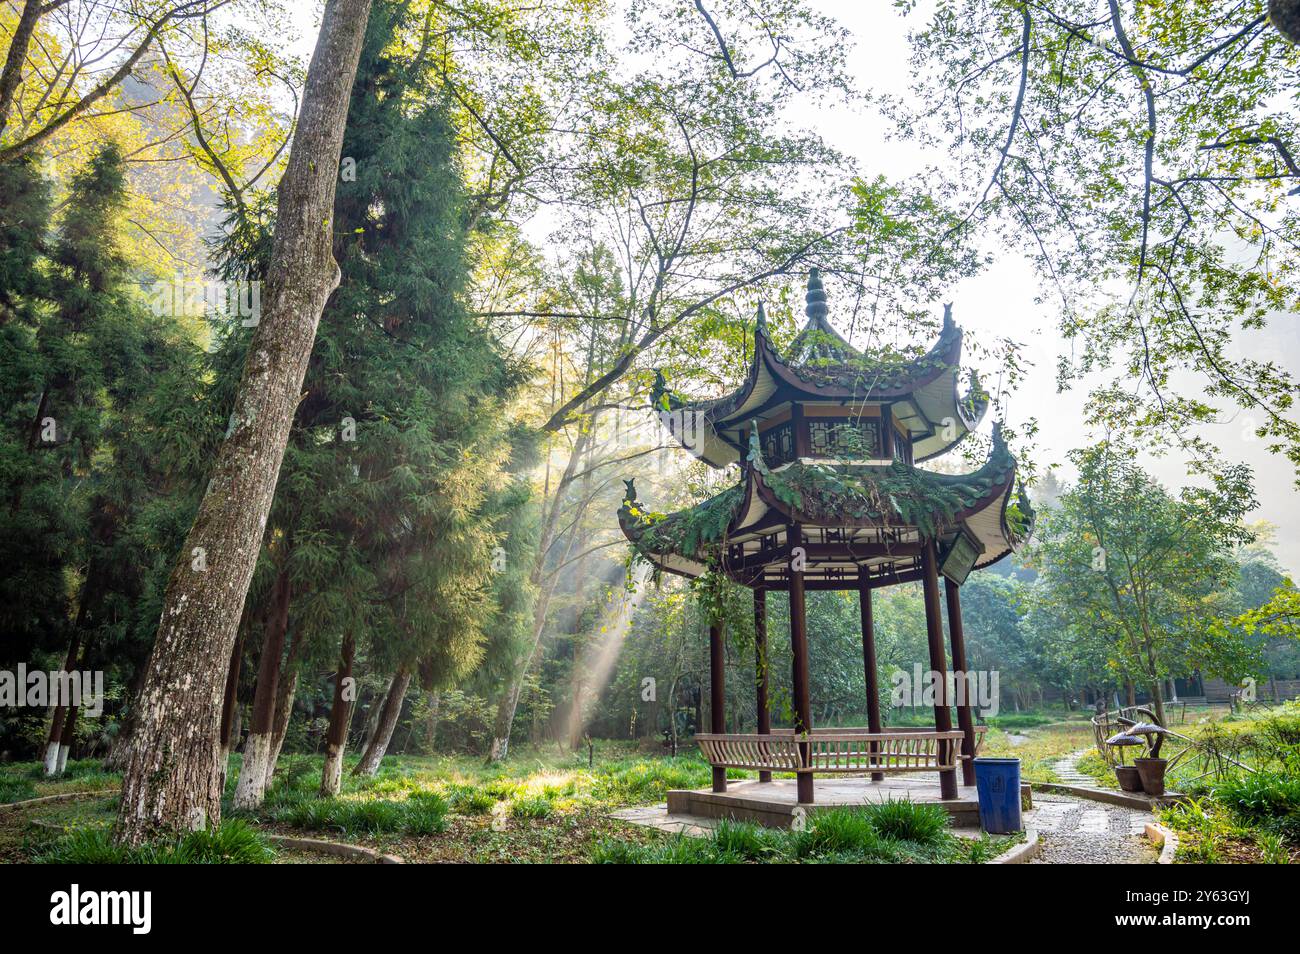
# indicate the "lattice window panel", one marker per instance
pixel 778 444
pixel 825 437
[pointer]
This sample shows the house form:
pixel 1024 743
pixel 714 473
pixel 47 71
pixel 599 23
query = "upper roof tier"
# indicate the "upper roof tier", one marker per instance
pixel 821 367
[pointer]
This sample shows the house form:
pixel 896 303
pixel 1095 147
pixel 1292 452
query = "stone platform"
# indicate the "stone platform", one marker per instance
pixel 773 803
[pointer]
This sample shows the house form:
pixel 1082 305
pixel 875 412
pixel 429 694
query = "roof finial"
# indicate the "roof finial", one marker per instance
pixel 760 322
pixel 815 300
pixel 947 314
pixel 999 441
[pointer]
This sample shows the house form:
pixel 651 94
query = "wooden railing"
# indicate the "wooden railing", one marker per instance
pixel 838 750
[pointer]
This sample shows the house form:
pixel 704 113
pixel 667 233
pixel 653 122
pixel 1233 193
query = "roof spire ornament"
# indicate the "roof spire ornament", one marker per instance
pixel 815 300
pixel 760 321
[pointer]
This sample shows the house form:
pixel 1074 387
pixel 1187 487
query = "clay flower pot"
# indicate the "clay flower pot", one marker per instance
pixel 1153 775
pixel 1130 780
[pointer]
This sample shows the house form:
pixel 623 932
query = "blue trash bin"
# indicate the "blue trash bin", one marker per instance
pixel 998 783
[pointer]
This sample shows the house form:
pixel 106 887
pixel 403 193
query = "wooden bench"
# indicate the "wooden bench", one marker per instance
pixel 838 750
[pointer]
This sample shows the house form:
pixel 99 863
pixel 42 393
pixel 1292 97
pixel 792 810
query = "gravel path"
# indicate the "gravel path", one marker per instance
pixel 1079 831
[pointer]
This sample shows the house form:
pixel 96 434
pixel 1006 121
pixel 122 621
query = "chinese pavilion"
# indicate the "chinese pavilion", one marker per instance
pixel 830 497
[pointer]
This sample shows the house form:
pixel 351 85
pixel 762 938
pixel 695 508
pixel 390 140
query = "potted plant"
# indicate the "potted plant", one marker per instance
pixel 1127 775
pixel 1152 767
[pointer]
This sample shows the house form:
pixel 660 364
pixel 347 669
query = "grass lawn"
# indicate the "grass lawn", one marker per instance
pixel 541 806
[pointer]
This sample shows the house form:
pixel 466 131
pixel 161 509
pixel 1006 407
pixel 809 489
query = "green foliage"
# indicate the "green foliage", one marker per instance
pixel 232 843
pixel 888 833
pixel 906 820
pixel 1263 799
pixel 469 800
pixel 1143 155
pixel 101 434
pixel 532 806
pixel 14 789
pixel 420 814
pixel 646 780
pixel 1134 572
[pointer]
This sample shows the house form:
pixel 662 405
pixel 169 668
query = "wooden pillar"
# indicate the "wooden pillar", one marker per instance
pixel 938 663
pixel 965 717
pixel 799 681
pixel 760 667
pixel 869 664
pixel 717 696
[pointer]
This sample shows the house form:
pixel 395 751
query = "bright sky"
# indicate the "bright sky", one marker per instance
pixel 1000 301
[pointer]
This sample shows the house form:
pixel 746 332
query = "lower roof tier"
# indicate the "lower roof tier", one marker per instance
pixel 854 521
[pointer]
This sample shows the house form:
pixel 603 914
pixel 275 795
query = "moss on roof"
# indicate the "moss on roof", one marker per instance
pixel 895 494
pixel 693 533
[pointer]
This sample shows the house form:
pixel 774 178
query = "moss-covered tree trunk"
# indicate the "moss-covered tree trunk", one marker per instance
pixel 173 776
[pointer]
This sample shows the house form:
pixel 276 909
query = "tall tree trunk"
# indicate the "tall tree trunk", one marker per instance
pixel 68 731
pixel 66 739
pixel 374 753
pixel 284 697
pixel 257 752
pixel 230 705
pixel 336 736
pixel 371 724
pixel 60 710
pixel 173 773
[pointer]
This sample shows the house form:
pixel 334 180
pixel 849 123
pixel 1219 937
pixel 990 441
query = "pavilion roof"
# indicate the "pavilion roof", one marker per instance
pixel 850 499
pixel 820 365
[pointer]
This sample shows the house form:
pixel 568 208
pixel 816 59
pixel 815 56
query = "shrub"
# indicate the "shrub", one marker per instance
pixel 423 813
pixel 842 832
pixel 231 843
pixel 648 780
pixel 14 789
pixel 907 821
pixel 426 813
pixel 468 800
pixel 372 816
pixel 745 841
pixel 87 846
pixel 535 806
pixel 1263 798
pixel 616 851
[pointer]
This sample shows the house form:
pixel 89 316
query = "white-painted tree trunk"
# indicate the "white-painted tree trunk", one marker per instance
pixel 251 787
pixel 52 758
pixel 331 779
pixel 336 736
pixel 62 764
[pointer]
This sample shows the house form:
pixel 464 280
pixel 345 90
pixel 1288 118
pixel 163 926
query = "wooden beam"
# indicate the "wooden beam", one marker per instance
pixel 799 679
pixel 800 430
pixel 938 662
pixel 717 696
pixel 869 666
pixel 965 718
pixel 760 667
pixel 840 552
